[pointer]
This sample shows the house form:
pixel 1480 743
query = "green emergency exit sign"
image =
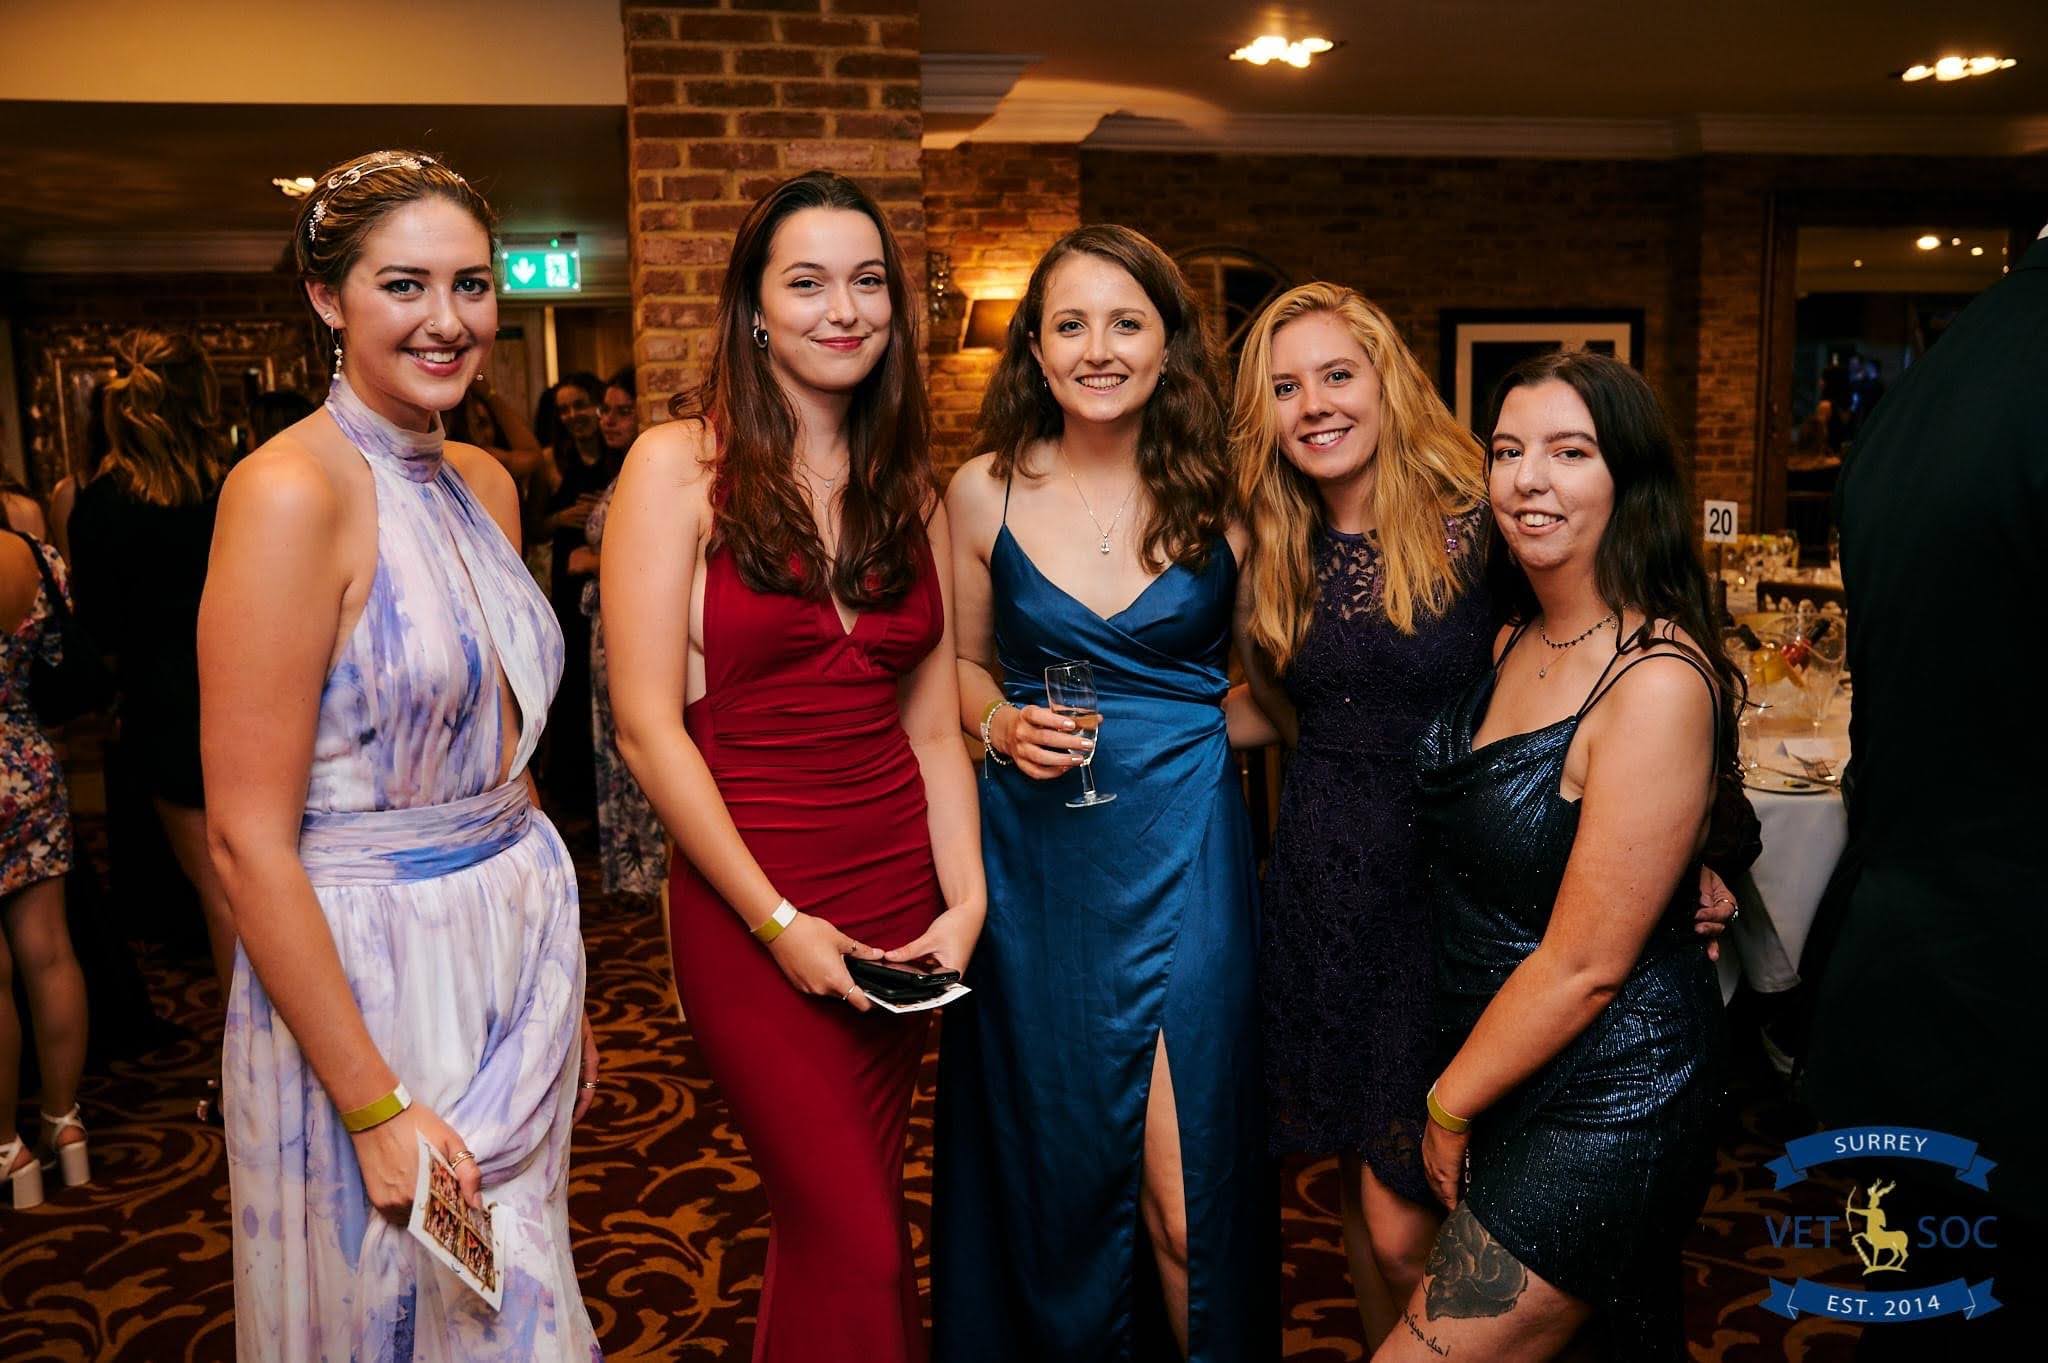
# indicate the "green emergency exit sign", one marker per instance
pixel 550 266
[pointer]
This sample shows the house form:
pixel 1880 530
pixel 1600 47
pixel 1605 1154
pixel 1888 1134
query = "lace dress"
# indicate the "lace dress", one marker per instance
pixel 1346 959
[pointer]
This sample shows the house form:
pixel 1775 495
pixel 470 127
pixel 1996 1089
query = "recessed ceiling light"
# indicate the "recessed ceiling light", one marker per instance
pixel 1957 68
pixel 1858 264
pixel 1976 250
pixel 1928 242
pixel 1274 48
pixel 1955 241
pixel 298 187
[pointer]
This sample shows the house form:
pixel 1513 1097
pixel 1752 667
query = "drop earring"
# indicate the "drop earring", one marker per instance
pixel 337 356
pixel 760 336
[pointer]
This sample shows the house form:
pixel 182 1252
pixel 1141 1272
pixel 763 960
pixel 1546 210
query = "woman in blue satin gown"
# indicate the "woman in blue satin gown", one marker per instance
pixel 1101 1188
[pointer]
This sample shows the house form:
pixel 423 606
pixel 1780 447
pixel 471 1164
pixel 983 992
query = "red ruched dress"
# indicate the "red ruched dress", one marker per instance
pixel 800 726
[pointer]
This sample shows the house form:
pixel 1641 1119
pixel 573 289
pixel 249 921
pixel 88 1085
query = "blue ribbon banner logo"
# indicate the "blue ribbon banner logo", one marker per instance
pixel 1848 1303
pixel 1886 1142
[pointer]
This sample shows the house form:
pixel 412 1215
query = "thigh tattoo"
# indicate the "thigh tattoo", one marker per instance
pixel 1469 1274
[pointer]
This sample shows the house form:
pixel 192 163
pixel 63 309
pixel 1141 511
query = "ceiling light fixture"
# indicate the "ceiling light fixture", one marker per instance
pixel 1928 242
pixel 297 187
pixel 1976 250
pixel 1957 68
pixel 1274 48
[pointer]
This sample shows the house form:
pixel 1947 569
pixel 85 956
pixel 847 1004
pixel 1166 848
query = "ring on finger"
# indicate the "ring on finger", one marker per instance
pixel 460 1157
pixel 848 995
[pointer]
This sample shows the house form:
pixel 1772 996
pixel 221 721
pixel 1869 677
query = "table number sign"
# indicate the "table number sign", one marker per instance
pixel 1720 522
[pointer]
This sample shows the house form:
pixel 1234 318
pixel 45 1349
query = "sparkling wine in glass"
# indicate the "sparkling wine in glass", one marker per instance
pixel 1070 692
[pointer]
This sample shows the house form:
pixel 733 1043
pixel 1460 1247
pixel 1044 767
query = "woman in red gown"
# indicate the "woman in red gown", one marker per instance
pixel 773 561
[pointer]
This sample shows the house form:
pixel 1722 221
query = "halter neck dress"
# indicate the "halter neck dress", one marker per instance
pixel 452 904
pixel 1108 926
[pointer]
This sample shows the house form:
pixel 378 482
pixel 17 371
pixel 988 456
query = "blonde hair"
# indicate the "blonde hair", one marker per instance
pixel 1426 469
pixel 162 411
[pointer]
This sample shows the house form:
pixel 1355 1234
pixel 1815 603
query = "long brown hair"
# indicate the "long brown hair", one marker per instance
pixel 1427 468
pixel 759 513
pixel 163 419
pixel 1647 561
pixel 1183 454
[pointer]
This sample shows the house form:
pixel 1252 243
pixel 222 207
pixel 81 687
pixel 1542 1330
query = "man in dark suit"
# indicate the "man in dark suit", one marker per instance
pixel 1929 1006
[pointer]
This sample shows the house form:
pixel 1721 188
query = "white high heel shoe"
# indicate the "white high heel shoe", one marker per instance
pixel 25 1183
pixel 72 1160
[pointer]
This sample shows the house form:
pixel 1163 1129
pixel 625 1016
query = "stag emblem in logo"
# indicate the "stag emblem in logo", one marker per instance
pixel 1881 1249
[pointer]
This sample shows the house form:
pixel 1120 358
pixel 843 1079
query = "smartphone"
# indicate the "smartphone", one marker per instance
pixel 896 979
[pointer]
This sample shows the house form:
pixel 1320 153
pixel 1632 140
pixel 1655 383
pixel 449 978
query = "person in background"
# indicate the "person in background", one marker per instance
pixel 64 496
pixel 1566 797
pixel 274 411
pixel 484 419
pixel 775 561
pixel 140 533
pixel 582 466
pixel 35 855
pixel 1926 949
pixel 20 510
pixel 632 848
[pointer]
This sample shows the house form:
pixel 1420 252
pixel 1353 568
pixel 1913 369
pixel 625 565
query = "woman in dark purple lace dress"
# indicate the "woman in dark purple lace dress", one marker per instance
pixel 1364 615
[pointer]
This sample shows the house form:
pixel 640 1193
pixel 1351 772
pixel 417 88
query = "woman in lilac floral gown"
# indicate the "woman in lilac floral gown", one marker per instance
pixel 375 668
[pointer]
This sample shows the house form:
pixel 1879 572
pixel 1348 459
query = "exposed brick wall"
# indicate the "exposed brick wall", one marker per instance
pixel 994 208
pixel 1683 241
pixel 724 99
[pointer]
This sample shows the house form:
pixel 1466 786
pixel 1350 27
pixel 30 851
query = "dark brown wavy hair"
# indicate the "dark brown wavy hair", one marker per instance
pixel 759 512
pixel 1183 443
pixel 1646 561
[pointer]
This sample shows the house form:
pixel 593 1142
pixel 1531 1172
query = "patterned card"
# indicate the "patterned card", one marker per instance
pixel 458 1235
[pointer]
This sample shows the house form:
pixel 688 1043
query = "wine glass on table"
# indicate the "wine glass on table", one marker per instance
pixel 1070 691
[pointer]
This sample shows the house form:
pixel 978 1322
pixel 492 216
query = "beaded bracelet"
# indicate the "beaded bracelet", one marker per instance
pixel 988 745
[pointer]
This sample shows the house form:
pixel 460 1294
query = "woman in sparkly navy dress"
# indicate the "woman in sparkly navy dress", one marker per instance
pixel 1367 501
pixel 1566 797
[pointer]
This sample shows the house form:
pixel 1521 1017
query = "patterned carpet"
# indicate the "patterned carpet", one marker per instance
pixel 670 1225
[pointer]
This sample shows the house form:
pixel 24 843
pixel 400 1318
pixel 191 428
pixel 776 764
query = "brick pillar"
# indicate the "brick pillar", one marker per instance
pixel 724 99
pixel 994 208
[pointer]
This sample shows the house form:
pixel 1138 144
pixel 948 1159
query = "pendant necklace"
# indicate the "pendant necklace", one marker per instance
pixel 1572 642
pixel 1113 520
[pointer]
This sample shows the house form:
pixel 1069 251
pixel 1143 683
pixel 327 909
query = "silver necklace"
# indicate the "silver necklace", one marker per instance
pixel 1113 520
pixel 1572 642
pixel 831 484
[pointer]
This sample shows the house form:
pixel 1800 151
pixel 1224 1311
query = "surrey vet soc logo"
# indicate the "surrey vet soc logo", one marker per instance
pixel 1882 1232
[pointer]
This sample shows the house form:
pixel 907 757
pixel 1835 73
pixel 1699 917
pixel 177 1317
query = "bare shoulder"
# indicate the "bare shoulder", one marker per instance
pixel 284 486
pixel 974 498
pixel 1238 536
pixel 1501 637
pixel 1672 680
pixel 24 513
pixel 675 454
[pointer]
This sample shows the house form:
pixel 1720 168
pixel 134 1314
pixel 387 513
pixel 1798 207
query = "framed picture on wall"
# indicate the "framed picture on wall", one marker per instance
pixel 1480 345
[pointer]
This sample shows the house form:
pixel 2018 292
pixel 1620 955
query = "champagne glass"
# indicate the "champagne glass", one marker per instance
pixel 1070 691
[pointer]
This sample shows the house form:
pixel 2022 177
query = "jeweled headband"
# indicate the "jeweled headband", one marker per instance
pixel 381 161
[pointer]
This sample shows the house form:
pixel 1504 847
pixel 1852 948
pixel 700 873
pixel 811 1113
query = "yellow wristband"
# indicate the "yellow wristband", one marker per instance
pixel 1441 1115
pixel 771 927
pixel 360 1119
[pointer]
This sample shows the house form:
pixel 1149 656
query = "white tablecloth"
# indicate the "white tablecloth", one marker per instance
pixel 1803 836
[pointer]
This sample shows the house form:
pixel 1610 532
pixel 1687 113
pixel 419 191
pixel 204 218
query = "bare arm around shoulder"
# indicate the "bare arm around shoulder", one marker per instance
pixel 659 517
pixel 1037 741
pixel 267 628
pixel 1648 785
pixel 930 706
pixel 1257 712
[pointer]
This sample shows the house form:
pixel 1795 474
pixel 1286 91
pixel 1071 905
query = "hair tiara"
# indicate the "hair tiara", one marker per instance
pixel 383 160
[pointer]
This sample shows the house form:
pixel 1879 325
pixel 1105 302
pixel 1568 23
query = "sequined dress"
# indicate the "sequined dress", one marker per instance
pixel 1592 1171
pixel 1347 959
pixel 452 905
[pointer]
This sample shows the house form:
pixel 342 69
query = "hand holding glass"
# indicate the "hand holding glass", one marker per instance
pixel 1070 691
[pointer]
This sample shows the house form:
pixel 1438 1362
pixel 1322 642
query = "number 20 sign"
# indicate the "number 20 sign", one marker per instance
pixel 1720 523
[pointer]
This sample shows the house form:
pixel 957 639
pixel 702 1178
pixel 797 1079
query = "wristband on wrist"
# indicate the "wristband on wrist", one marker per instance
pixel 1441 1115
pixel 360 1119
pixel 771 927
pixel 988 744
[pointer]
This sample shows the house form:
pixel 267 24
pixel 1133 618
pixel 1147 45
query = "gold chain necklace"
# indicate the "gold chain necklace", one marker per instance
pixel 1572 642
